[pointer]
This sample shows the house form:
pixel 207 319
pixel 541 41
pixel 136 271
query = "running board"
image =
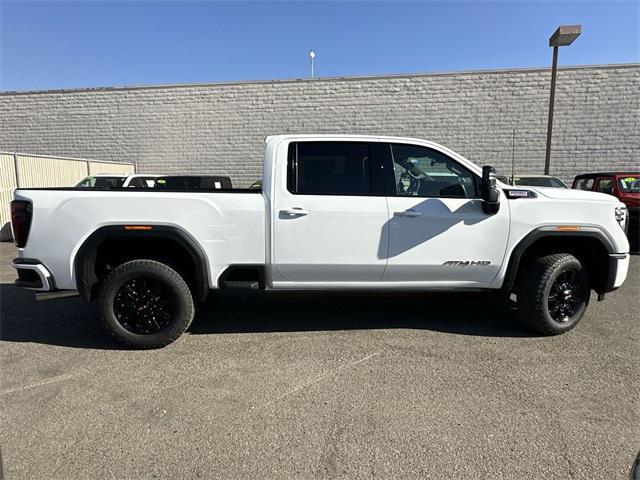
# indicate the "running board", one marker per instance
pixel 41 296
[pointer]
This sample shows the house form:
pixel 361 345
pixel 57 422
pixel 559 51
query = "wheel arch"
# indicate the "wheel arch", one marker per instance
pixel 183 248
pixel 591 246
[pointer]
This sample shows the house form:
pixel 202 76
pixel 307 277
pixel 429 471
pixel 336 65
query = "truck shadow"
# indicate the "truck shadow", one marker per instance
pixel 68 323
pixel 72 323
pixel 462 314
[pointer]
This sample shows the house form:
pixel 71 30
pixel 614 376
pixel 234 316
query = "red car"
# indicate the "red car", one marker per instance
pixel 625 187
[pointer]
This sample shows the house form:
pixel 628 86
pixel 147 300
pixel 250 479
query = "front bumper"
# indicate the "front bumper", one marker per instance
pixel 33 275
pixel 633 223
pixel 618 268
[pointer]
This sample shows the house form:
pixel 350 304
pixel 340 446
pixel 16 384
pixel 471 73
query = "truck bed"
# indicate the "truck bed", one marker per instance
pixel 228 225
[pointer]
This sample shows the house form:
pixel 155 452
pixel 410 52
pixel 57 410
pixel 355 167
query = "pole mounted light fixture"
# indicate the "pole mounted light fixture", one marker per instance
pixel 565 35
pixel 312 55
pixel 562 37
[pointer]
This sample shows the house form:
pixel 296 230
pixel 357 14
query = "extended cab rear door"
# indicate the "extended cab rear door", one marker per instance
pixel 438 233
pixel 328 215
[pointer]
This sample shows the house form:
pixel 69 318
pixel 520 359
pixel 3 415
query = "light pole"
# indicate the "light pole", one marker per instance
pixel 312 55
pixel 563 36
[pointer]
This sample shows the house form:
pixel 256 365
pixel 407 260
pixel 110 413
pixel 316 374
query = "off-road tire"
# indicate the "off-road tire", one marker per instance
pixel 535 284
pixel 173 286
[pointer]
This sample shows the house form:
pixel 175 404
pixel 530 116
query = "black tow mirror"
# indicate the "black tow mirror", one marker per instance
pixel 489 191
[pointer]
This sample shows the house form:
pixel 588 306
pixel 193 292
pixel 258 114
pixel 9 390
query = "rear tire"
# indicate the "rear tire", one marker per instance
pixel 553 293
pixel 145 304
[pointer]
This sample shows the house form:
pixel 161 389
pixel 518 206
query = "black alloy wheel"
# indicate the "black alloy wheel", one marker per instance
pixel 553 293
pixel 144 305
pixel 565 297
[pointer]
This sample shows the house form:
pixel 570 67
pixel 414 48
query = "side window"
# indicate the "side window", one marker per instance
pixel 605 185
pixel 584 184
pixel 138 182
pixel 109 182
pixel 329 168
pixel 423 172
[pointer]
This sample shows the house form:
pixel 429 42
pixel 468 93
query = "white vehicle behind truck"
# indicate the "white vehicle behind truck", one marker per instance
pixel 335 212
pixel 111 180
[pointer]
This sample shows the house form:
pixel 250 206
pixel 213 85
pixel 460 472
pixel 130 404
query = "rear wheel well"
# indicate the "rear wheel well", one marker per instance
pixel 109 249
pixel 589 250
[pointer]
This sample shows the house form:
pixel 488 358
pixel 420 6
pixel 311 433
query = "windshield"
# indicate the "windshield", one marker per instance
pixel 630 184
pixel 102 182
pixel 539 182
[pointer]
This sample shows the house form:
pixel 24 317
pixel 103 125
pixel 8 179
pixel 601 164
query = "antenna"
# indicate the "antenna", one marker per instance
pixel 513 157
pixel 312 55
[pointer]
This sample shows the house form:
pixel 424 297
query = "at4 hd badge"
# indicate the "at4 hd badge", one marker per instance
pixel 466 263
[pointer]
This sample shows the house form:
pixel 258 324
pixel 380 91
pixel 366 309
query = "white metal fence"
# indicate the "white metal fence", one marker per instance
pixel 23 170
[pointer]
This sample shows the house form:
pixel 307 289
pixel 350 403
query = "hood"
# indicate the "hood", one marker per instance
pixel 630 199
pixel 571 194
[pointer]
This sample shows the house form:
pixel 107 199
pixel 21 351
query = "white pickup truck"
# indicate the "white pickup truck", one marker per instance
pixel 336 212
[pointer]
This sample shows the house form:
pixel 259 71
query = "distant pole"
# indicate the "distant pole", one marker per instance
pixel 513 157
pixel 312 55
pixel 554 72
pixel 562 37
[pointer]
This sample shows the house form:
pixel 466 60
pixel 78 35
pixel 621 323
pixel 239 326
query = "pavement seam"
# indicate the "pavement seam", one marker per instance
pixel 49 381
pixel 316 380
pixel 302 386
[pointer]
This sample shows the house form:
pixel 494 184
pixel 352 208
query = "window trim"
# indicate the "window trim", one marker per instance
pixel 390 179
pixel 375 169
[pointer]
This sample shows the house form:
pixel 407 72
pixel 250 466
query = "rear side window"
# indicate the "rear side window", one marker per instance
pixel 584 184
pixel 329 168
pixel 605 185
pixel 138 182
pixel 109 182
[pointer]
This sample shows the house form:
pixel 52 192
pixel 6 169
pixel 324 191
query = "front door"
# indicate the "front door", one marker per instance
pixel 438 233
pixel 329 216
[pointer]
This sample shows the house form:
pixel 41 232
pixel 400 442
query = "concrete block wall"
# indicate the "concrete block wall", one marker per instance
pixel 220 128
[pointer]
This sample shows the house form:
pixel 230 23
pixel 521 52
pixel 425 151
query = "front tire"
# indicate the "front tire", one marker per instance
pixel 145 304
pixel 553 293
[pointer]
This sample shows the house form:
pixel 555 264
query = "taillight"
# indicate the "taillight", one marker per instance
pixel 20 221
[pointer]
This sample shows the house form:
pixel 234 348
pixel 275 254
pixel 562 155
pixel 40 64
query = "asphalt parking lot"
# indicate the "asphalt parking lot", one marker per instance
pixel 321 386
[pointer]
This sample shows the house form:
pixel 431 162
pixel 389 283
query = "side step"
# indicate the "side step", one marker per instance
pixel 241 284
pixel 242 277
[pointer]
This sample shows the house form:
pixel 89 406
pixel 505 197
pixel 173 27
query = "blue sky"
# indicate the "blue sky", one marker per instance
pixel 51 44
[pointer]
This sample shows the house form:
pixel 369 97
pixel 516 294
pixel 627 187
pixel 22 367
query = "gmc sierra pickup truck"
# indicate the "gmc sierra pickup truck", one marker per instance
pixel 335 212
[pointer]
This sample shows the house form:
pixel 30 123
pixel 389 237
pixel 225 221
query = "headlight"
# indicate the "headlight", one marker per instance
pixel 622 217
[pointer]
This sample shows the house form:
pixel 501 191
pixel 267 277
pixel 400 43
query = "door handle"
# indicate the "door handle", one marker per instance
pixel 295 211
pixel 409 213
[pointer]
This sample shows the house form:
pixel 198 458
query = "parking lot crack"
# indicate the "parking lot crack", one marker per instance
pixel 49 381
pixel 567 458
pixel 317 379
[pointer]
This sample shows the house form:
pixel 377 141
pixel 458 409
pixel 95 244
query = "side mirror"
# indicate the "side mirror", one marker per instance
pixel 489 191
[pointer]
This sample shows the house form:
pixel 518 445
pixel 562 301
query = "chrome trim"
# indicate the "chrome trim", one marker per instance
pixel 45 276
pixel 620 256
